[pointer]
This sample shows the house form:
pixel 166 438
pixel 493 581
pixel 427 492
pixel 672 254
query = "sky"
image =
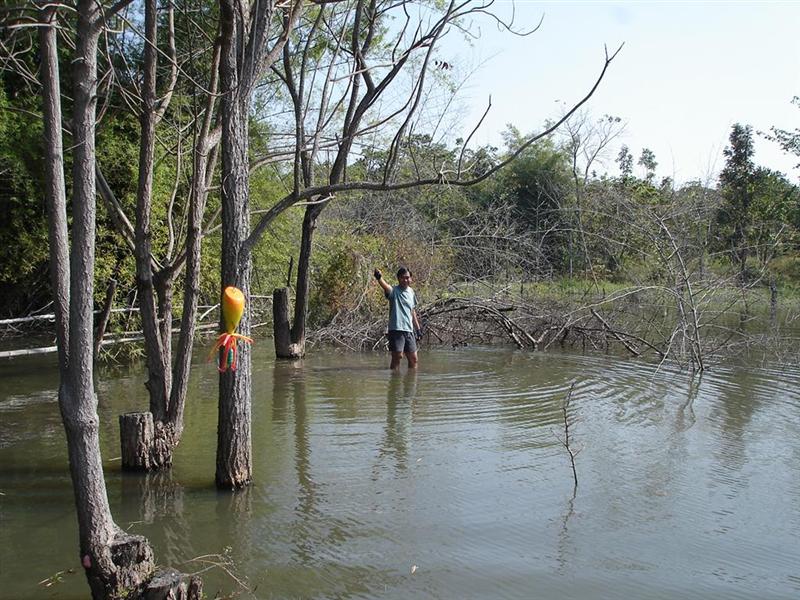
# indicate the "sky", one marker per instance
pixel 686 73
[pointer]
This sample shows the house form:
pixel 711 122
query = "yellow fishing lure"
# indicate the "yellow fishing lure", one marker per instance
pixel 232 311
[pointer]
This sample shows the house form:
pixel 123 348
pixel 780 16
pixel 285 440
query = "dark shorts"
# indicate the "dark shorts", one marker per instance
pixel 401 341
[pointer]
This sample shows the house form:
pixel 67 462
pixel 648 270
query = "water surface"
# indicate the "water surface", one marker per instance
pixel 448 483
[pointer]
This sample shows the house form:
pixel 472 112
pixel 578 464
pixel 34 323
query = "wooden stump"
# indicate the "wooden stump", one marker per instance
pixel 280 325
pixel 127 565
pixel 136 436
pixel 169 584
pixel 145 444
pixel 134 560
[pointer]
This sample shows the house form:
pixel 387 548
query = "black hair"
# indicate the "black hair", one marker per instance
pixel 402 271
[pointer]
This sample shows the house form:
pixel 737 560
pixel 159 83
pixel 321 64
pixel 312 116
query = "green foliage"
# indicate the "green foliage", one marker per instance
pixel 343 271
pixel 736 183
pixel 536 186
pixel 648 160
pixel 538 180
pixel 23 218
pixel 342 281
pixel 118 158
pixel 775 214
pixel 787 139
pixel 759 214
pixel 786 269
pixel 600 232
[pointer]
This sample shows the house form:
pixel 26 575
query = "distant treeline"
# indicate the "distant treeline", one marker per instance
pixel 550 214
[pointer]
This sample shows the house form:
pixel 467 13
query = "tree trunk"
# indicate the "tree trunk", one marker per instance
pixel 245 55
pixel 157 367
pixel 234 455
pixel 150 447
pixel 136 438
pixel 164 293
pixel 55 187
pixel 773 301
pixel 284 348
pixel 168 584
pixel 304 279
pixel 203 164
pixel 145 444
pixel 110 568
pixel 116 564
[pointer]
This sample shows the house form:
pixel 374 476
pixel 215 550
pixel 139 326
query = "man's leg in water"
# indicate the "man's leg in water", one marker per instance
pixel 411 357
pixel 396 356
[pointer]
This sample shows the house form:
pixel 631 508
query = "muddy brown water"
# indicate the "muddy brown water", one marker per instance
pixel 447 483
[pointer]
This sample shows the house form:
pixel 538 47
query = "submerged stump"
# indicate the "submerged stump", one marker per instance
pixel 284 348
pixel 121 569
pixel 169 584
pixel 136 433
pixel 144 443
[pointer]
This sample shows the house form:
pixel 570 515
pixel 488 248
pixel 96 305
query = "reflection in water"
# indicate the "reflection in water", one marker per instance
pixel 685 417
pixel 289 384
pixel 234 515
pixel 738 402
pixel 238 504
pixel 688 485
pixel 564 550
pixel 153 494
pixel 281 392
pixel 158 499
pixel 400 395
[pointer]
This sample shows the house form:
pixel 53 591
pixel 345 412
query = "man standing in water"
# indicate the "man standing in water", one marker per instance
pixel 403 321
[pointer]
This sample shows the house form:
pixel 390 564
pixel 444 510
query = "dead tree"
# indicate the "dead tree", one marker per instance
pixel 116 564
pixel 368 103
pixel 148 439
pixel 565 441
pixel 156 276
pixel 249 48
pixel 346 117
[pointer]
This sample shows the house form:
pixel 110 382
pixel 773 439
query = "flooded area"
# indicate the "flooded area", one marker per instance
pixel 451 482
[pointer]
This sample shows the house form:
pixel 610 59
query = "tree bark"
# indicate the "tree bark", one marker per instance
pixel 77 398
pixel 171 585
pixel 284 348
pixel 136 440
pixel 145 442
pixel 245 56
pixel 116 564
pixel 234 462
pixel 303 279
pixel 203 165
pixel 164 281
pixel 157 368
pixel 55 187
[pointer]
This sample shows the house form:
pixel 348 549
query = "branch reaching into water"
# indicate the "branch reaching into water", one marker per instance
pixel 565 441
pixel 224 562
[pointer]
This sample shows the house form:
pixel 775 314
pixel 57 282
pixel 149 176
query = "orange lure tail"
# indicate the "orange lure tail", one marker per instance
pixel 232 311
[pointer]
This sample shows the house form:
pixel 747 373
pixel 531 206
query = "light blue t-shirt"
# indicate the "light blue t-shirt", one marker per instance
pixel 401 303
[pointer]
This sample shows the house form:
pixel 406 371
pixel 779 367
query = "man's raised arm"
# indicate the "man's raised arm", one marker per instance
pixel 381 281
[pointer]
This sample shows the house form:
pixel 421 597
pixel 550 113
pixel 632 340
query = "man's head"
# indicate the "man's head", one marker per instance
pixel 403 277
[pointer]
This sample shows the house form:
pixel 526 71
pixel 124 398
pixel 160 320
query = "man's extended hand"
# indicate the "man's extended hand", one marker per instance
pixel 377 274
